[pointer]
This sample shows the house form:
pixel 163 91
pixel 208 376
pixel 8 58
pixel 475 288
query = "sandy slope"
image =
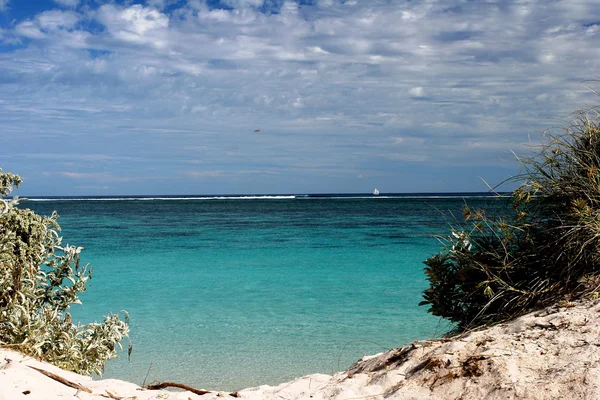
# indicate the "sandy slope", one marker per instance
pixel 550 354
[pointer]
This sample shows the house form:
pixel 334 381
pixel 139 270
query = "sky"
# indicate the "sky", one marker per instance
pixel 282 96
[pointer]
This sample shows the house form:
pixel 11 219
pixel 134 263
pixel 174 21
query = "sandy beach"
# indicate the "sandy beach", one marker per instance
pixel 548 354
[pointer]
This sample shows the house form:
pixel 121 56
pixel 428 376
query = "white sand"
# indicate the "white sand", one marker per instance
pixel 551 354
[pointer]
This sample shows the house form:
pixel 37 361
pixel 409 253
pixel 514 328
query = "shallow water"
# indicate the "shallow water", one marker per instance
pixel 231 293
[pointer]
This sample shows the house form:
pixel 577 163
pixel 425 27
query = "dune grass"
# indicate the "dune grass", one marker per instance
pixel 544 249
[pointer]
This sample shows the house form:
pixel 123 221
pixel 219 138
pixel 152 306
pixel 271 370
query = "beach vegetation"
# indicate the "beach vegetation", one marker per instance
pixel 40 278
pixel 544 249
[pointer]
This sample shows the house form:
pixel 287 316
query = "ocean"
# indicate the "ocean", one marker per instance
pixel 231 292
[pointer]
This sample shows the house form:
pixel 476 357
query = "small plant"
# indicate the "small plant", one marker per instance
pixel 543 249
pixel 39 280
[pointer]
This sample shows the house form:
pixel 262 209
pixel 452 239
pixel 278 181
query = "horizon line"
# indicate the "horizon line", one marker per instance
pixel 264 195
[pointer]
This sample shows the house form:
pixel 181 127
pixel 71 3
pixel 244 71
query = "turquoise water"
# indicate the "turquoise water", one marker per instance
pixel 231 293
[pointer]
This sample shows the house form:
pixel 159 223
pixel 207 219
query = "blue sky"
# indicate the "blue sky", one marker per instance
pixel 164 96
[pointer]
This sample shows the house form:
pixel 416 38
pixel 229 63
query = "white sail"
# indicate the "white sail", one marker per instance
pixel 375 192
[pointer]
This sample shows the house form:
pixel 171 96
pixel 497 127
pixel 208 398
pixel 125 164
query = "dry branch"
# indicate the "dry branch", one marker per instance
pixel 162 385
pixel 62 380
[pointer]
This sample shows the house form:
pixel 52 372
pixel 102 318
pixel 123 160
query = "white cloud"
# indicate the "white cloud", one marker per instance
pixel 52 20
pixel 204 174
pixel 417 92
pixel 47 22
pixel 243 3
pixel 67 3
pixel 92 176
pixel 136 19
pixel 3 5
pixel 78 175
pixel 289 8
pixel 160 4
pixel 135 24
pixel 54 26
pixel 30 30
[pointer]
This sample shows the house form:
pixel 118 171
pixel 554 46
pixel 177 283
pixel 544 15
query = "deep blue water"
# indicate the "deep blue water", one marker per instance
pixel 230 293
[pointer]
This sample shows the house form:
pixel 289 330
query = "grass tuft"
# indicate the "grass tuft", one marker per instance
pixel 545 248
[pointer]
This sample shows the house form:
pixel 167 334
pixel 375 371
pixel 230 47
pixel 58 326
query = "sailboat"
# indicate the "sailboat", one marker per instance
pixel 375 192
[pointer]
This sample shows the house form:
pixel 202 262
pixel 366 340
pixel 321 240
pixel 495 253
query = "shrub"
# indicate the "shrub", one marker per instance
pixel 544 248
pixel 39 280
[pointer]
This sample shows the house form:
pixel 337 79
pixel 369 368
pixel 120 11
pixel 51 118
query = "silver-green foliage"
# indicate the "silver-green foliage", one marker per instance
pixel 39 280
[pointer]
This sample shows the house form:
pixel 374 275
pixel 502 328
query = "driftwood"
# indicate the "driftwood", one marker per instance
pixel 62 380
pixel 162 385
pixel 111 395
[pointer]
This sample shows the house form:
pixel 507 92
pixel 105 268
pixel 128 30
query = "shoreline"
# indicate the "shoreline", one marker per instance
pixel 548 354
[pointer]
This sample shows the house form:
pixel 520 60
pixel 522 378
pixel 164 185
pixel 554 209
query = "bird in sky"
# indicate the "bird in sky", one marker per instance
pixel 257 130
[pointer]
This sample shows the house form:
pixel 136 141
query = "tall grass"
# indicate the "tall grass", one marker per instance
pixel 546 248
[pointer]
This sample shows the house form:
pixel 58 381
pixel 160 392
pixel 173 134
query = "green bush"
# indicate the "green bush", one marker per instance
pixel 545 248
pixel 39 280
